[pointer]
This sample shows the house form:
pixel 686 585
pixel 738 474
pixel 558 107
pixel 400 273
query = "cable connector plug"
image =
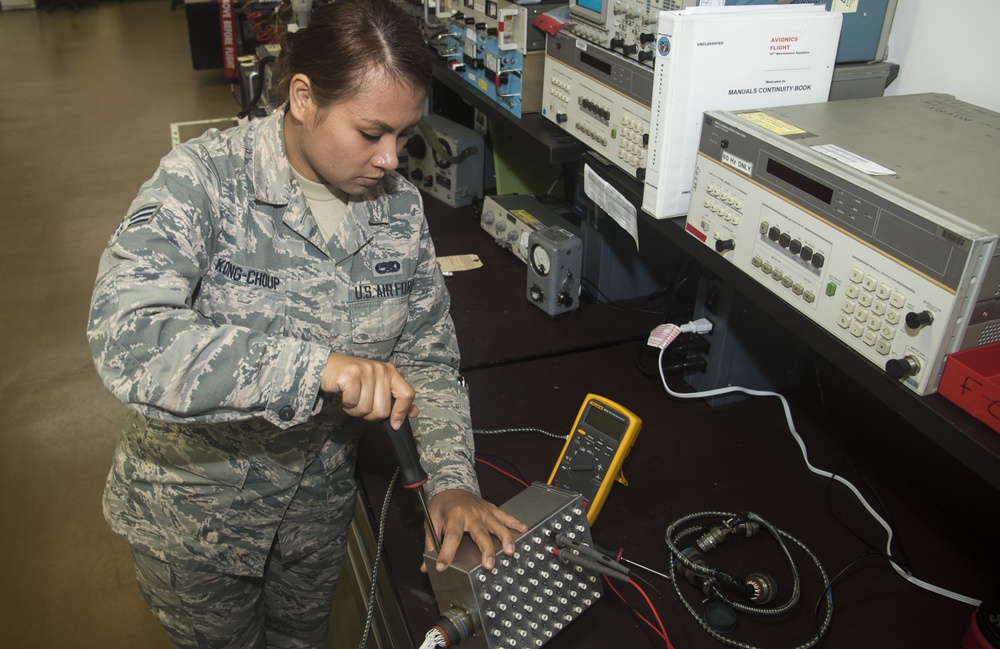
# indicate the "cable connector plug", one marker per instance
pixel 699 326
pixel 664 334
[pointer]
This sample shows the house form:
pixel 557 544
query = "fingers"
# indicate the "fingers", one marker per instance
pixel 449 546
pixel 367 388
pixel 428 546
pixel 462 512
pixel 403 406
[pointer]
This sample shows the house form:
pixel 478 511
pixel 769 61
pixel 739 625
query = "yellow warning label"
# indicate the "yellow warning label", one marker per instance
pixel 772 124
pixel 525 217
pixel 844 6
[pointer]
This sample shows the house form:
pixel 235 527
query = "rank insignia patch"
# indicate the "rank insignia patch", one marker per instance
pixel 140 216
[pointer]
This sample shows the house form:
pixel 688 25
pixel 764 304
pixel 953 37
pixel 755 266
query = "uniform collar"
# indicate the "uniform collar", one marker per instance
pixel 271 178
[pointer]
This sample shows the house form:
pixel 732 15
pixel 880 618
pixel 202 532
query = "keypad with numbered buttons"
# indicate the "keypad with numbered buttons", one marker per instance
pixel 871 310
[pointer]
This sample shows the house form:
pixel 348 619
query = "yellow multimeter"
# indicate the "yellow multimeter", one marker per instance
pixel 591 460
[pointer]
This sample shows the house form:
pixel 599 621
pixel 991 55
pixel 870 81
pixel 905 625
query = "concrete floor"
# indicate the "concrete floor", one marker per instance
pixel 86 103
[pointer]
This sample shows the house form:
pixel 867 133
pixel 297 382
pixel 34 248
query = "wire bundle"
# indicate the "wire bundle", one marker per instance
pixel 673 538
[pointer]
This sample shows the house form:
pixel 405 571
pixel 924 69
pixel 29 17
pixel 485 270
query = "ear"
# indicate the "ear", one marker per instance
pixel 300 101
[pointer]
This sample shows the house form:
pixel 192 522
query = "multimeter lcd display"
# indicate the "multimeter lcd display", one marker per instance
pixel 606 423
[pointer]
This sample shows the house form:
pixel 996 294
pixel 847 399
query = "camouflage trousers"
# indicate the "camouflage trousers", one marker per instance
pixel 289 606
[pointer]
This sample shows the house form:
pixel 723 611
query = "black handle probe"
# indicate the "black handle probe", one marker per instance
pixel 405 449
pixel 414 476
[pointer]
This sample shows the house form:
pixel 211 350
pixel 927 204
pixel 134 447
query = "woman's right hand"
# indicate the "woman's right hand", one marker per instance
pixel 367 389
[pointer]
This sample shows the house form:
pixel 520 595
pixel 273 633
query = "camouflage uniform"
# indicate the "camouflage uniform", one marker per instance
pixel 215 309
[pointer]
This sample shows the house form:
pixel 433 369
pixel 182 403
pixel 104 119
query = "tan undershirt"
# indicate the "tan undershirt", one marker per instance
pixel 328 204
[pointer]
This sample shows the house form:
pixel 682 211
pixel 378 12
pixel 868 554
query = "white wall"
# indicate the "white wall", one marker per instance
pixel 948 46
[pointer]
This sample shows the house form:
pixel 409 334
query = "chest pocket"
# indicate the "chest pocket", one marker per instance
pixel 247 298
pixel 382 280
pixel 376 325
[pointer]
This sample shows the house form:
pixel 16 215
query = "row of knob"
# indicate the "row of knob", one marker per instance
pixel 592 134
pixel 594 109
pixel 784 279
pixel 636 10
pixel 722 209
pixel 794 246
pixel 733 200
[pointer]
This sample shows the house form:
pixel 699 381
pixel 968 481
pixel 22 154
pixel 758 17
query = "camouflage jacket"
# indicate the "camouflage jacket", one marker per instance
pixel 214 311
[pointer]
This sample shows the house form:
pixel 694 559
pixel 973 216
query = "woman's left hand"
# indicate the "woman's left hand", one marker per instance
pixel 456 512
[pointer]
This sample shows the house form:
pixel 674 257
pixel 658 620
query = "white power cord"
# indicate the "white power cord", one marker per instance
pixel 665 334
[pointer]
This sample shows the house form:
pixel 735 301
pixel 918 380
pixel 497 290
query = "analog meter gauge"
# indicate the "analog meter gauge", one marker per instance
pixel 555 257
pixel 540 260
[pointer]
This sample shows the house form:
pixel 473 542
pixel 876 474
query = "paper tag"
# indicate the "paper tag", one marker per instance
pixel 844 6
pixel 853 160
pixel 612 201
pixel 456 263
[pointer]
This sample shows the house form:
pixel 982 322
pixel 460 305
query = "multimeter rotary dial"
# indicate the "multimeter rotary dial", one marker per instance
pixel 540 261
pixel 585 463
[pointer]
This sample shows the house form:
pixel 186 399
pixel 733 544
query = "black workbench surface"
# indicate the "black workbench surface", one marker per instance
pixel 526 369
pixel 495 323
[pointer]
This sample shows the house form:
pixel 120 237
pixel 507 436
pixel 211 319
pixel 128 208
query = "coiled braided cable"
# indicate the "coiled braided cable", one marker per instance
pixel 378 559
pixel 672 539
pixel 527 429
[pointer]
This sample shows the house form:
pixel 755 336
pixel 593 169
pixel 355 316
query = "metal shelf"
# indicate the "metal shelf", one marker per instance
pixel 539 135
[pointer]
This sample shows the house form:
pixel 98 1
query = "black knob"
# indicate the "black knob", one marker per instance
pixel 645 56
pixel 564 299
pixel 416 146
pixel 916 320
pixel 900 368
pixel 629 50
pixel 561 118
pixel 725 245
pixel 647 38
pixel 616 43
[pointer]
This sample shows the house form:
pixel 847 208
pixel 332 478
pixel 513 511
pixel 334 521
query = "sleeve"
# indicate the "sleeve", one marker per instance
pixel 427 355
pixel 153 351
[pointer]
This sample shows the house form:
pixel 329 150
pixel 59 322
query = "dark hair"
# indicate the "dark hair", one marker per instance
pixel 345 41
